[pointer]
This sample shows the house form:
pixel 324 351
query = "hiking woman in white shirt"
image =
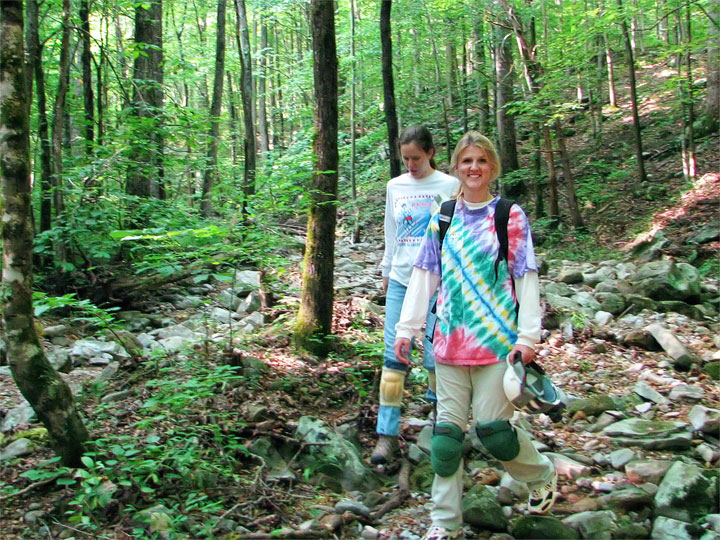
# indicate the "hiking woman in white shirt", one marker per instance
pixel 410 199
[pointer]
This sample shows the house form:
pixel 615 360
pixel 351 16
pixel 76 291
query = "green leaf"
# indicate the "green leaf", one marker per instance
pixel 88 462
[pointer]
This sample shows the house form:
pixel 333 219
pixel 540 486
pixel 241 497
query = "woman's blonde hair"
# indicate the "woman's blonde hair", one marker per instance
pixel 475 138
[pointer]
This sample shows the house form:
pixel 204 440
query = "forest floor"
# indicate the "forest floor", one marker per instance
pixel 344 386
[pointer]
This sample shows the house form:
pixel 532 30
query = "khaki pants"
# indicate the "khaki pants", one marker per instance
pixel 458 389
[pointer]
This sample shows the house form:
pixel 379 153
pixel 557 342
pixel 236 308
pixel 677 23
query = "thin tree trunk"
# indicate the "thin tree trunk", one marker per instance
pixel 211 169
pixel 552 178
pixel 711 117
pixel 57 129
pixel 314 319
pixel 507 144
pixel 262 89
pixel 39 383
pixel 481 75
pixel 86 61
pixel 573 207
pixel 389 87
pixel 145 172
pixel 687 96
pixel 243 37
pixel 642 177
pixel 35 62
pixel 353 67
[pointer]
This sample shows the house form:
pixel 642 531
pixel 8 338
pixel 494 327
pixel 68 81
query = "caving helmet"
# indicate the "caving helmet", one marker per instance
pixel 527 387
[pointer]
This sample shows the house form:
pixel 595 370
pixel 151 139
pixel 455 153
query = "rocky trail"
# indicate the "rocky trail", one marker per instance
pixel 636 343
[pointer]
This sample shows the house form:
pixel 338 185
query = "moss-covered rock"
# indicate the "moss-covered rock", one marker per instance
pixel 592 406
pixel 542 527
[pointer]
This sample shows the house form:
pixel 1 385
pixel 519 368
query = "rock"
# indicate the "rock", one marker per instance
pixel 714 521
pixel 672 529
pixel 639 428
pixel 542 527
pixel 709 454
pixel 567 466
pixel 645 391
pixel 425 439
pixel 603 318
pixel 252 322
pixel 592 406
pixel 641 339
pixel 96 352
pixel 640 303
pixel 570 276
pixel 481 509
pixel 681 357
pixel 55 331
pixel 246 281
pixel 596 525
pixel 222 315
pixel 630 531
pixel 620 458
pixel 705 419
pixel 677 306
pixel 336 457
pixel 157 519
pixel 227 299
pixel 712 369
pixel 685 391
pixel 667 280
pixel 251 304
pixel 253 367
pixel 685 493
pixel 19 416
pixel 629 498
pixel 17 448
pixel 647 470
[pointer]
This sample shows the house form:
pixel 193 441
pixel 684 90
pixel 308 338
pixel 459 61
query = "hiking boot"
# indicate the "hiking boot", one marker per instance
pixel 441 533
pixel 385 450
pixel 542 499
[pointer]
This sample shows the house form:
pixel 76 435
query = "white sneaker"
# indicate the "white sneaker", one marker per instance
pixel 542 499
pixel 441 533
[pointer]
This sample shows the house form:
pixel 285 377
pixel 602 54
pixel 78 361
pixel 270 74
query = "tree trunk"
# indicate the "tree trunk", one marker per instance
pixel 86 61
pixel 389 88
pixel 687 97
pixel 243 37
pixel 145 172
pixel 552 178
pixel 39 383
pixel 60 247
pixel 262 89
pixel 642 177
pixel 211 168
pixel 35 64
pixel 480 60
pixel 507 143
pixel 575 215
pixel 314 320
pixel 711 118
pixel 353 182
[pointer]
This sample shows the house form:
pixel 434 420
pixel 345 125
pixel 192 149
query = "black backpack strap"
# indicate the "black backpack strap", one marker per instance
pixel 502 216
pixel 447 209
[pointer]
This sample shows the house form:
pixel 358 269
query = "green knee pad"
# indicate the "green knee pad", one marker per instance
pixel 447 444
pixel 500 439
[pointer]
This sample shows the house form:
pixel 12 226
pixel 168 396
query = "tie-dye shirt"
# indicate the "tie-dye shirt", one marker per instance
pixel 476 312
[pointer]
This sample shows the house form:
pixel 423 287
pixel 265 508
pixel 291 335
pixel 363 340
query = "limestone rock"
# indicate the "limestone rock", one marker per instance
pixel 686 493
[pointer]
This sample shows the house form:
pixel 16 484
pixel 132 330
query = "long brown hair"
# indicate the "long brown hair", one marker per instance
pixel 421 136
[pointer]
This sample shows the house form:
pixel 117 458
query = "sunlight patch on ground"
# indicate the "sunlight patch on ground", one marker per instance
pixel 285 362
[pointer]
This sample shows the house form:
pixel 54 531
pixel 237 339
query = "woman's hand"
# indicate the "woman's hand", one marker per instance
pixel 402 350
pixel 385 282
pixel 527 353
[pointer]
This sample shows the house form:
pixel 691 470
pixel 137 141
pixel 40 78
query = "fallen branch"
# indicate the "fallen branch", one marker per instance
pixel 26 489
pixel 399 498
pixel 311 533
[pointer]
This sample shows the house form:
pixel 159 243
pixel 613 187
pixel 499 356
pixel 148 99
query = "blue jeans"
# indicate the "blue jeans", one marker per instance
pixel 388 422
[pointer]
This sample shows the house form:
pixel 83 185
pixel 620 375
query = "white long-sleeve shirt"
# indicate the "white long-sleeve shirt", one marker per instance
pixel 408 206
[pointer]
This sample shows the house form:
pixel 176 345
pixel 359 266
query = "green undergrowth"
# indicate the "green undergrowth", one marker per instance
pixel 174 446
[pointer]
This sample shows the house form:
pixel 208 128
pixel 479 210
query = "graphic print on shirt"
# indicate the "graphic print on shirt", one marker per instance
pixel 412 215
